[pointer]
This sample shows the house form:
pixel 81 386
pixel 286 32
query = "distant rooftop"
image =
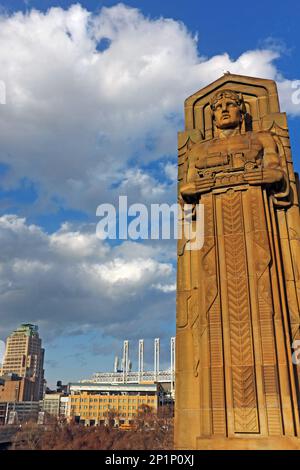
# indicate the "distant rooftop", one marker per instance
pixel 88 387
pixel 11 376
pixel 27 328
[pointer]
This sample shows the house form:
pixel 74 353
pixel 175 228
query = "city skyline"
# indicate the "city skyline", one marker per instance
pixel 126 360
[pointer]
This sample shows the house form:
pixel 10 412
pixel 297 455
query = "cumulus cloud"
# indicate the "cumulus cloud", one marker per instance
pixel 93 97
pixel 93 106
pixel 171 171
pixel 70 280
pixel 165 287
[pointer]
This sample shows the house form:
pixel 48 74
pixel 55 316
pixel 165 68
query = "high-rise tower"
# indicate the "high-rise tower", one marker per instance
pixel 24 356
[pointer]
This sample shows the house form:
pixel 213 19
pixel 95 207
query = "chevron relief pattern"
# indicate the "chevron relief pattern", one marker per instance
pixel 241 347
pixel 244 398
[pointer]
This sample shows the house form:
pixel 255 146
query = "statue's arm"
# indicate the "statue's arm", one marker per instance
pixel 194 186
pixel 188 189
pixel 271 171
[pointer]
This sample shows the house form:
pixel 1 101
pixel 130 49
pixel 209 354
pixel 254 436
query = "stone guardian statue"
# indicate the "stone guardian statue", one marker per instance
pixel 238 297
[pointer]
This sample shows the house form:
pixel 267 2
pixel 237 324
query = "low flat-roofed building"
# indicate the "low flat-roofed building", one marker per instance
pixel 64 406
pixel 55 404
pixel 19 412
pixel 94 403
pixel 50 404
pixel 15 388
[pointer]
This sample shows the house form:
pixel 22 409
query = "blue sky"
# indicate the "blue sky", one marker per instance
pixel 95 97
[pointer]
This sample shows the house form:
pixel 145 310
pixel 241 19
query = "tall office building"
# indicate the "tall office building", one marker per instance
pixel 24 356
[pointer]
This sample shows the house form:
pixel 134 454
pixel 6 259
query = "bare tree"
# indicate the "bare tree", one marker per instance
pixel 150 431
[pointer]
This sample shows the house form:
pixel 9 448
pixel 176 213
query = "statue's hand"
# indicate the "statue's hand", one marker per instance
pixel 190 191
pixel 272 175
pixel 263 175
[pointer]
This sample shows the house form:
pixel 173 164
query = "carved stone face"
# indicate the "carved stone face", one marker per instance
pixel 227 113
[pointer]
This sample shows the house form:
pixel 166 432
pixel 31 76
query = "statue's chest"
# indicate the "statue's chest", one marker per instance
pixel 229 154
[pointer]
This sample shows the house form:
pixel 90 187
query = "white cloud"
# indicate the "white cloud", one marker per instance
pixel 120 271
pixel 140 186
pixel 165 287
pixel 79 119
pixel 70 279
pixel 75 243
pixel 171 171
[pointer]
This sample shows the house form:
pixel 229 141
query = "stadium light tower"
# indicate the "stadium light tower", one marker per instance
pixel 156 357
pixel 141 359
pixel 125 360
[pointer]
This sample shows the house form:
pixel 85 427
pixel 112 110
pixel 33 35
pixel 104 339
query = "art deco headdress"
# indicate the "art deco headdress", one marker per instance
pixel 237 97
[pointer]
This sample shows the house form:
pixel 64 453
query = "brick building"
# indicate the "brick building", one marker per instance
pixel 94 403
